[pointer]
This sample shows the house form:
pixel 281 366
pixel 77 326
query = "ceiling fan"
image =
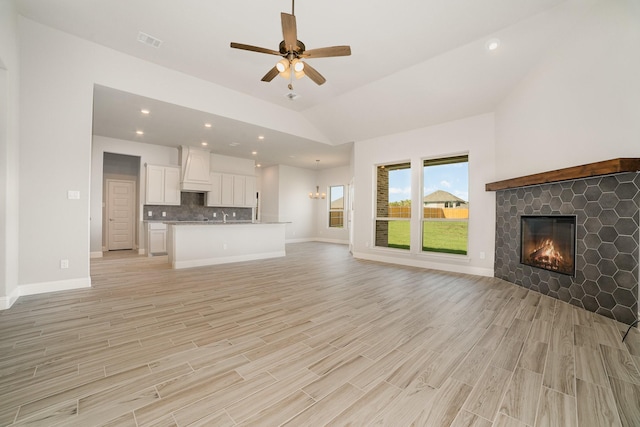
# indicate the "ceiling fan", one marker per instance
pixel 293 51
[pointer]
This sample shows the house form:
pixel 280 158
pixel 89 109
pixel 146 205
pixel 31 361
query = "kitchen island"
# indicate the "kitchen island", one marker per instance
pixel 199 243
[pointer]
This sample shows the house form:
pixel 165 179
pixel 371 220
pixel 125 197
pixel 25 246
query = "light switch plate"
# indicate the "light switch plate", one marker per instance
pixel 73 195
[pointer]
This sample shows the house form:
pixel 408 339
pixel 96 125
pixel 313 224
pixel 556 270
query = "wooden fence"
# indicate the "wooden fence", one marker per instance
pixel 433 213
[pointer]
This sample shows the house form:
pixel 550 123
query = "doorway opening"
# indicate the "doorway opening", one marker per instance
pixel 120 202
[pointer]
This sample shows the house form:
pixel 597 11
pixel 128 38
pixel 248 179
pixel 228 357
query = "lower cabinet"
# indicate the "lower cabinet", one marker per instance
pixel 156 238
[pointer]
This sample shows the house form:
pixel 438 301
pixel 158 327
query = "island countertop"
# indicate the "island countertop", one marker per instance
pixel 221 222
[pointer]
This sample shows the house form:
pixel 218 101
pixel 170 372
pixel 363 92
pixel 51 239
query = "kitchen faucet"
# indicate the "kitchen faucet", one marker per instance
pixel 224 217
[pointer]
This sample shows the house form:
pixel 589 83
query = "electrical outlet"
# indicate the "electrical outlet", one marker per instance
pixel 164 214
pixel 482 255
pixel 64 263
pixel 215 214
pixel 149 213
pixel 233 214
pixel 224 246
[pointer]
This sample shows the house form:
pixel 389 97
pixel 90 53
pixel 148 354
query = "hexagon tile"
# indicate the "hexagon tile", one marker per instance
pixel 607 211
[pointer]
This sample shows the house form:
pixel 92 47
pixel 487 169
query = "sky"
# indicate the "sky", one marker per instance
pixel 453 178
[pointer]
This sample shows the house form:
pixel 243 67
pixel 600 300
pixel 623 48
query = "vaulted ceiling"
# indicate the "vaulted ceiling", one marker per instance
pixel 414 63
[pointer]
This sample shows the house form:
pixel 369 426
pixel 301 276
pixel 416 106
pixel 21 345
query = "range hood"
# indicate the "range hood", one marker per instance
pixel 195 169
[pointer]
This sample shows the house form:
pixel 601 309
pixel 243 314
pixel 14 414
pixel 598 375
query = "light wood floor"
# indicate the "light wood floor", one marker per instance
pixel 316 338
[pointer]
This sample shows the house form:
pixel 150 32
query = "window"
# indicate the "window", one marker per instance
pixel 445 205
pixel 393 206
pixel 336 206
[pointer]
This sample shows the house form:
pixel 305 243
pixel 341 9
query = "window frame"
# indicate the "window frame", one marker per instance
pixel 330 210
pixel 442 160
pixel 396 165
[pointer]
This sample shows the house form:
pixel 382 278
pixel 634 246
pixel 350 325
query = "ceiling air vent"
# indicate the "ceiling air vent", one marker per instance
pixel 149 40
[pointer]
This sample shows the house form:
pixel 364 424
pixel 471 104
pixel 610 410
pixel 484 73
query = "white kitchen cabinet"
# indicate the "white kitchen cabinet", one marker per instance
pixel 172 186
pixel 156 238
pixel 226 197
pixel 239 190
pixel 250 192
pixel 214 196
pixel 229 190
pixel 162 185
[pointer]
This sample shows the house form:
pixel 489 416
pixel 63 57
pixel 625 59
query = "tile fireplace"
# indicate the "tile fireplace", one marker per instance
pixel 603 215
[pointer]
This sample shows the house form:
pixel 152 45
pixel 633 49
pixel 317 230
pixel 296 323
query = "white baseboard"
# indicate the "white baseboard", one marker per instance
pixel 337 241
pixel 97 254
pixel 8 301
pixel 58 285
pixel 42 288
pixel 306 239
pixel 421 263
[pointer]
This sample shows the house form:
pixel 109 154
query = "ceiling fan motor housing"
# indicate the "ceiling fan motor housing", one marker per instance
pixel 299 48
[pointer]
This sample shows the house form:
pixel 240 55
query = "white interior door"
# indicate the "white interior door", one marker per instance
pixel 120 214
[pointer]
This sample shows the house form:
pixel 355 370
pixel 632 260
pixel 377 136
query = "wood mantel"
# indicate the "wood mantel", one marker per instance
pixel 584 171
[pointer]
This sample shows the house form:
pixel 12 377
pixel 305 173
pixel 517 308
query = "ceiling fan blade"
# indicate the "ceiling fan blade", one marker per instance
pixel 254 48
pixel 289 31
pixel 271 74
pixel 313 74
pixel 324 52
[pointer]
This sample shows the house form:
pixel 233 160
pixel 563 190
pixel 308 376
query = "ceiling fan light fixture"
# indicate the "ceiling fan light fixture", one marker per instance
pixel 298 65
pixel 282 65
pixel 286 74
pixel 299 74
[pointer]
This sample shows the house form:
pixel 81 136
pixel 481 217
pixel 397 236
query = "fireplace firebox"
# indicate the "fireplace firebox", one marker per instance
pixel 549 242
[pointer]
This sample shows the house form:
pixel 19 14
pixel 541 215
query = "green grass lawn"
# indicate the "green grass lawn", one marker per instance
pixel 437 236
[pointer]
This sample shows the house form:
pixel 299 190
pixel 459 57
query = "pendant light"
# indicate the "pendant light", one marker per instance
pixel 317 194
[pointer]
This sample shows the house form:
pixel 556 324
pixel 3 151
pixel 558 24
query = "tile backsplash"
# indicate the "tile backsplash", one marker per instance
pixel 192 208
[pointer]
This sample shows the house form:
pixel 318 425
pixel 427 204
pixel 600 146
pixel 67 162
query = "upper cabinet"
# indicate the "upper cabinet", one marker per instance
pixel 195 169
pixel 232 190
pixel 162 185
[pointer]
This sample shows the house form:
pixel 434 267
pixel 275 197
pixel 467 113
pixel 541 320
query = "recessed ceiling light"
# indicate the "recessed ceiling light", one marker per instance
pixel 259 165
pixel 139 132
pixel 234 144
pixel 261 137
pixel 254 152
pixel 492 44
pixel 292 157
pixel 144 111
pixel 204 143
pixel 207 125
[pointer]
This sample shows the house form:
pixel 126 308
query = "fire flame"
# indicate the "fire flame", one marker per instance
pixel 547 255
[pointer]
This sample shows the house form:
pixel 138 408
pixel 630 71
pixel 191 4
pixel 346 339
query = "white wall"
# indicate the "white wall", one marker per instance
pixel 294 204
pixel 234 165
pixel 58 72
pixel 582 104
pixel 148 153
pixel 269 193
pixel 326 179
pixel 9 154
pixel 474 135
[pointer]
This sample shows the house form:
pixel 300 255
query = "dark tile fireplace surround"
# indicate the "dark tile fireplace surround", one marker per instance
pixel 607 212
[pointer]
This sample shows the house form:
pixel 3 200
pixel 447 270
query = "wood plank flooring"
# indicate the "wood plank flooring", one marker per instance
pixel 315 338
